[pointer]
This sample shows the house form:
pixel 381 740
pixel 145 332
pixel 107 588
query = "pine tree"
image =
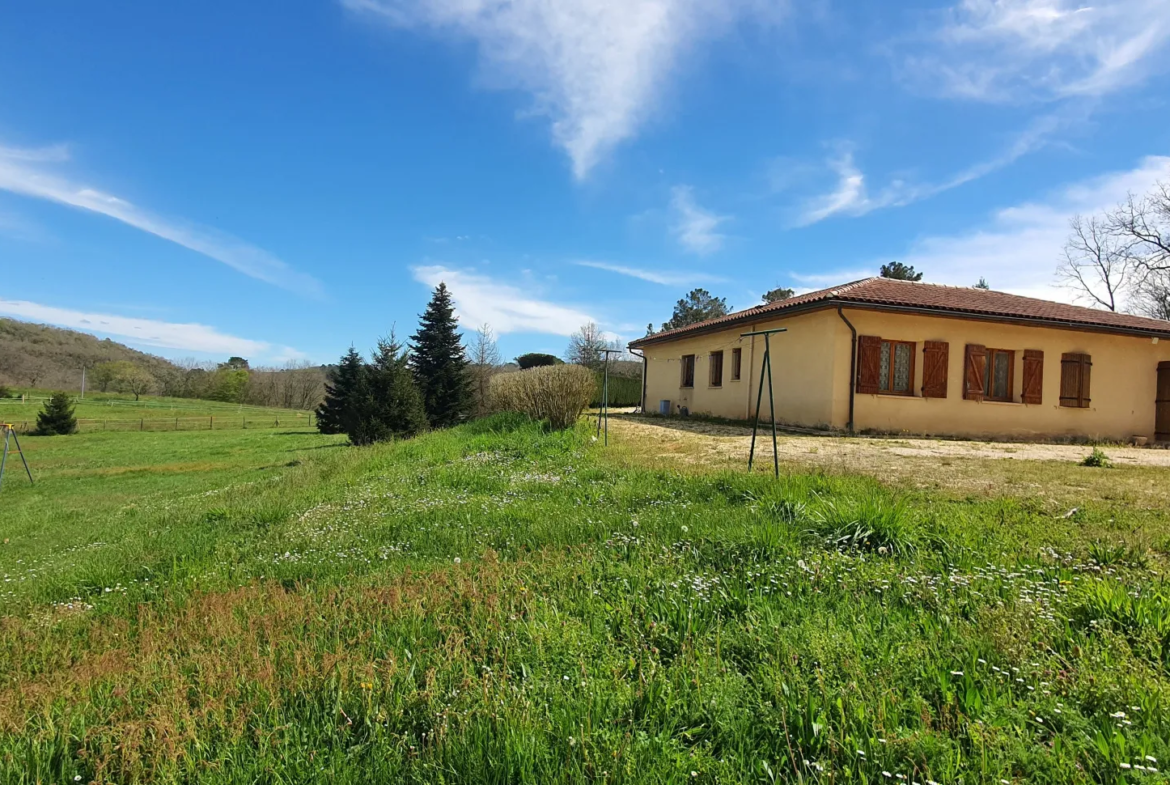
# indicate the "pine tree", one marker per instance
pixel 439 364
pixel 388 404
pixel 57 416
pixel 334 415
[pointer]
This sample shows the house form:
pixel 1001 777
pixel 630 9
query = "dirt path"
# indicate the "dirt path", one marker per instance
pixel 1048 470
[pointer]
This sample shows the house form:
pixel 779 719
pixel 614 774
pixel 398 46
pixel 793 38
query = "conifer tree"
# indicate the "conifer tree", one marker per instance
pixel 388 403
pixel 57 416
pixel 335 413
pixel 439 364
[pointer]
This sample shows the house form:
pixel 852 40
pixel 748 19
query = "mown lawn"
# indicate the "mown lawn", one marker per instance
pixel 120 412
pixel 498 604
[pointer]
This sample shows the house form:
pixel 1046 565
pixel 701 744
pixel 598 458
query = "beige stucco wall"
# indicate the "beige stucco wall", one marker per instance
pixel 1122 385
pixel 812 364
pixel 803 362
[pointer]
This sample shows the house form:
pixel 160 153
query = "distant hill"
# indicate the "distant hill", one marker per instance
pixel 36 355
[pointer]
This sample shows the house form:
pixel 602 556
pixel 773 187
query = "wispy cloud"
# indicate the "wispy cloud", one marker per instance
pixel 851 196
pixel 1019 248
pixel 507 308
pixel 1016 49
pixel 27 172
pixel 665 278
pixel 149 332
pixel 694 227
pixel 596 68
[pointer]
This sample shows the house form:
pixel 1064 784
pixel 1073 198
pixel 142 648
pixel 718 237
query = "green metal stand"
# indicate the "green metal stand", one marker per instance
pixel 604 412
pixel 765 369
pixel 10 436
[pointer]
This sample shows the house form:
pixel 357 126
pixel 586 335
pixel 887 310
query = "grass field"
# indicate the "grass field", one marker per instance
pixel 498 604
pixel 118 412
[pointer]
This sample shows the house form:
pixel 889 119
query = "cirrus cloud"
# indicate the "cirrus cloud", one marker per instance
pixel 595 68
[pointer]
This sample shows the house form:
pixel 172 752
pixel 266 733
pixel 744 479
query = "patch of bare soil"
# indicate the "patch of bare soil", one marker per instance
pixel 1050 470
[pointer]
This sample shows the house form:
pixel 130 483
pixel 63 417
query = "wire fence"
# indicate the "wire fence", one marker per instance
pixel 192 404
pixel 209 423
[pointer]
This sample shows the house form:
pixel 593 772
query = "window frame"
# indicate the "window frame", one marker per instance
pixel 688 369
pixel 909 391
pixel 989 375
pixel 712 365
pixel 736 364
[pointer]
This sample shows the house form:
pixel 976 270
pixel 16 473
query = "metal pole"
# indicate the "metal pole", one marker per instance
pixel 605 398
pixel 765 367
pixel 759 400
pixel 23 460
pixel 4 459
pixel 772 404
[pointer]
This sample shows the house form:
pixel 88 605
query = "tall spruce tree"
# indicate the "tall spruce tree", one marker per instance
pixel 57 416
pixel 439 363
pixel 387 404
pixel 335 414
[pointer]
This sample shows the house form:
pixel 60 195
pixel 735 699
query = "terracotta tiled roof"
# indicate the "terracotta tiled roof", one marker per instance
pixel 887 293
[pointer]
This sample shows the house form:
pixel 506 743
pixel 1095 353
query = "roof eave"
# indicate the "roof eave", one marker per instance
pixel 954 313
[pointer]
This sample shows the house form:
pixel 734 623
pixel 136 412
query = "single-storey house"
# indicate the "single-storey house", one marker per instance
pixel 885 355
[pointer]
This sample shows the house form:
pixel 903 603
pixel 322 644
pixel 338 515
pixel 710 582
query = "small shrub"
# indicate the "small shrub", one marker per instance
pixel 1097 459
pixel 556 393
pixel 5 392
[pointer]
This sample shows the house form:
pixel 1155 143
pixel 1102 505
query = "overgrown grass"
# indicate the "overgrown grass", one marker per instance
pixel 500 604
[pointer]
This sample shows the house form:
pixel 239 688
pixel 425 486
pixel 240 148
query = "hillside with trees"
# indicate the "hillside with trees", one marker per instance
pixel 51 358
pixel 36 355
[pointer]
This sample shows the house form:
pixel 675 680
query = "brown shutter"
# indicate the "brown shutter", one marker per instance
pixel 935 356
pixel 1086 372
pixel 869 364
pixel 1033 376
pixel 1075 373
pixel 974 369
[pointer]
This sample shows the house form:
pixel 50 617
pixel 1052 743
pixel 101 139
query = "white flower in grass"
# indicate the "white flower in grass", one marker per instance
pixel 458 560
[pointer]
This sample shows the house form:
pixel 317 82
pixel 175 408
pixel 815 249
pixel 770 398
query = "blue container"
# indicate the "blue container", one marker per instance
pixel 664 408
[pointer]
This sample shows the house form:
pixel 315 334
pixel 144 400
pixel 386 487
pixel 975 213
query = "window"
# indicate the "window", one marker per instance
pixel 1000 375
pixel 1074 380
pixel 688 371
pixel 885 366
pixel 736 364
pixel 715 379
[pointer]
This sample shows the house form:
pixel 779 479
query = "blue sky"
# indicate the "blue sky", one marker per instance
pixel 280 180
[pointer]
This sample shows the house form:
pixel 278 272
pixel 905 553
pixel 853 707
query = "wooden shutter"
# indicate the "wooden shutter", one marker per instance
pixel 974 372
pixel 935 356
pixel 1075 372
pixel 869 364
pixel 1033 376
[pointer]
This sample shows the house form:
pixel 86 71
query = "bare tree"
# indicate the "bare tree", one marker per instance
pixel 587 345
pixel 1143 225
pixel 1096 262
pixel 1123 257
pixel 483 364
pixel 1152 296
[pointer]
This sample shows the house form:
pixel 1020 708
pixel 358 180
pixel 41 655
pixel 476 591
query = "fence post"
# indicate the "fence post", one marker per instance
pixel 176 423
pixel 142 424
pixel 212 426
pixel 244 423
